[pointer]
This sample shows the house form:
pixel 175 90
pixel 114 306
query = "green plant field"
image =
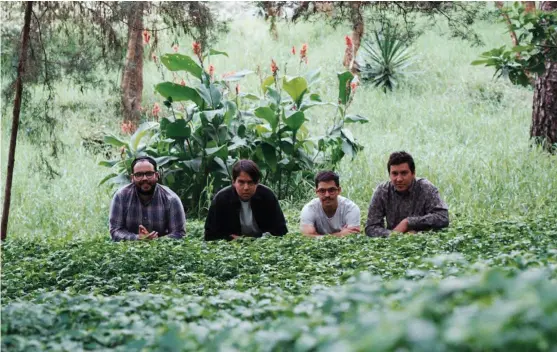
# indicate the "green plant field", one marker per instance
pixel 486 283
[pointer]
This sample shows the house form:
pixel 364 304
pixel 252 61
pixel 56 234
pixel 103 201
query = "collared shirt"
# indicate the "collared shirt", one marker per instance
pixel 164 213
pixel 421 204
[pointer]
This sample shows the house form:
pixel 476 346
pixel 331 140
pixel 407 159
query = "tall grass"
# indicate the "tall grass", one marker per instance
pixel 467 133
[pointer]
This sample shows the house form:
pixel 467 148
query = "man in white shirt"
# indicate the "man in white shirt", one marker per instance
pixel 330 213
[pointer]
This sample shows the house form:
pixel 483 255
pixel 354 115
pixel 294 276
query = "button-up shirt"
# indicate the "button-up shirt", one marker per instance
pixel 421 204
pixel 164 213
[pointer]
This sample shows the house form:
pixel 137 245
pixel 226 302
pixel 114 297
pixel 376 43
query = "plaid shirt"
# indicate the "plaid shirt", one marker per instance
pixel 421 204
pixel 164 213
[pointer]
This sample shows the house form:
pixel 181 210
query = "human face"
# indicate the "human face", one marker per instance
pixel 244 185
pixel 327 192
pixel 401 177
pixel 145 182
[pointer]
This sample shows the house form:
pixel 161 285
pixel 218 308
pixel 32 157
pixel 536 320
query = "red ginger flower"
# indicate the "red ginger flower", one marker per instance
pixel 126 127
pixel 196 48
pixel 348 41
pixel 303 53
pixel 211 70
pixel 274 67
pixel 156 109
pixel 146 37
pixel 293 50
pixel 354 84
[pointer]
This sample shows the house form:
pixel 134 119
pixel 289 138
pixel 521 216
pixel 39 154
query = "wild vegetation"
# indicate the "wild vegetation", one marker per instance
pixel 486 283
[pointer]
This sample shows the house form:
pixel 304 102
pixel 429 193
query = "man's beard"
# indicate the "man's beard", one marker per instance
pixel 146 193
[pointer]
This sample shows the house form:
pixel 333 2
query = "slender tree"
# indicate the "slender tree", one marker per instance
pixel 15 117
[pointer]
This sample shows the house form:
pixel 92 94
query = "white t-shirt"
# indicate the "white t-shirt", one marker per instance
pixel 347 214
pixel 248 224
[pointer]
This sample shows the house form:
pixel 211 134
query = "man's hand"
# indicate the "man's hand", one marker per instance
pixel 402 227
pixel 235 237
pixel 347 230
pixel 144 234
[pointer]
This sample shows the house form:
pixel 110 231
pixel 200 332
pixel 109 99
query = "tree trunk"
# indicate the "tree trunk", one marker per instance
pixel 15 118
pixel 132 75
pixel 544 112
pixel 357 34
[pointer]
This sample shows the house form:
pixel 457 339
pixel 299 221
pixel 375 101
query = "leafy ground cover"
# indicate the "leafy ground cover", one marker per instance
pixel 474 286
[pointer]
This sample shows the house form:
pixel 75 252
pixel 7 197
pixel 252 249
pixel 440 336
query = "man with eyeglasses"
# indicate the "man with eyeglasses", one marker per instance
pixel 246 208
pixel 408 204
pixel 144 209
pixel 330 213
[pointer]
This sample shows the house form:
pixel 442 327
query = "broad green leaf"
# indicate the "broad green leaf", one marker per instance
pixel 211 95
pixel 145 130
pixel 179 93
pixel 193 164
pixel 180 62
pixel 274 95
pixel 115 141
pixel 108 163
pixel 312 76
pixel 355 118
pixel 315 97
pixel 214 52
pixel 163 160
pixel 270 155
pixel 221 151
pixel 221 166
pixel 237 142
pixel 267 114
pixel 295 87
pixel 107 177
pixel 296 120
pixel 344 79
pixel 231 112
pixel 249 96
pixel 178 129
pixel 348 135
pixel 237 76
pixel 266 83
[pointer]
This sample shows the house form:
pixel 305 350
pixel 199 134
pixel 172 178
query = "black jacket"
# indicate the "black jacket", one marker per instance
pixel 224 214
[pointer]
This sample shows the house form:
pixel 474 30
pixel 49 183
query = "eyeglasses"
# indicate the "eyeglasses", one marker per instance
pixel 323 191
pixel 148 174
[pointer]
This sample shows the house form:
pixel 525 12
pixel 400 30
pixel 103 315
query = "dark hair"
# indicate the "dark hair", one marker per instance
pixel 247 166
pixel 401 157
pixel 326 176
pixel 144 158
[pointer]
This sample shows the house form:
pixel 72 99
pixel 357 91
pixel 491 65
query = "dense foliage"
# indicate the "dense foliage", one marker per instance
pixel 536 43
pixel 472 286
pixel 210 125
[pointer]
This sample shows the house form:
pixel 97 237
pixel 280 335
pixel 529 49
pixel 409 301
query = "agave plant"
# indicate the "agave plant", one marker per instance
pixel 383 61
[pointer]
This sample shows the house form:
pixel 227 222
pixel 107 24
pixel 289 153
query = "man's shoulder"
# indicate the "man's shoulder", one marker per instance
pixel 264 190
pixel 312 204
pixel 224 194
pixel 425 184
pixel 167 192
pixel 125 191
pixel 347 203
pixel 383 187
